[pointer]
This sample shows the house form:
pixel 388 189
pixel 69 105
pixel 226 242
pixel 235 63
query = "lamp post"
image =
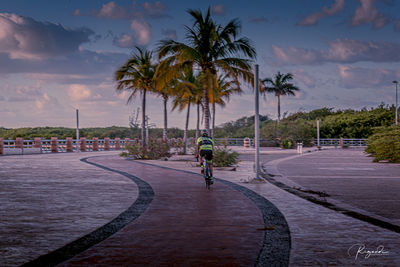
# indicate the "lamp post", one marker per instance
pixel 256 123
pixel 397 121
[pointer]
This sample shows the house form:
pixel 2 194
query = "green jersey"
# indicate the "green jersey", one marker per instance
pixel 205 143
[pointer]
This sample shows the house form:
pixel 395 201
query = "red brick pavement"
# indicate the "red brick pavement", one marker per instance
pixel 185 225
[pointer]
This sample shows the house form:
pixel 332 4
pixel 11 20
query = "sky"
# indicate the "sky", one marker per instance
pixel 58 56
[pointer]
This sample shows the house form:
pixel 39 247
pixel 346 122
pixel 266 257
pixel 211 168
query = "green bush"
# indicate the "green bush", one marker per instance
pixel 224 157
pixel 287 143
pixel 154 150
pixel 385 144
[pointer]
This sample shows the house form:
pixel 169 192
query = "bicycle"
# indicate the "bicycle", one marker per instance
pixel 207 174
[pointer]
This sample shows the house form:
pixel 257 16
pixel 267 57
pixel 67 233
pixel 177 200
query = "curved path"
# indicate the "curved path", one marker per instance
pixel 187 225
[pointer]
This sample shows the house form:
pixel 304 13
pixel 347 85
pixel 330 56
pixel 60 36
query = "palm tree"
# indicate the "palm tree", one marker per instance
pixel 223 90
pixel 210 48
pixel 136 75
pixel 186 93
pixel 280 86
pixel 165 92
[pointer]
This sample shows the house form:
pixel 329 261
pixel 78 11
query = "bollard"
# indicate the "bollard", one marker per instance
pixel 69 144
pixel 106 143
pixel 246 142
pixel 117 143
pixel 19 142
pixel 54 147
pixel 83 144
pixel 341 141
pixel 37 143
pixel 299 148
pixel 95 144
pixel 1 146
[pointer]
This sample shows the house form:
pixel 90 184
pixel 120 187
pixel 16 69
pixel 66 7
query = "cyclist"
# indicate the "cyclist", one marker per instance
pixel 205 147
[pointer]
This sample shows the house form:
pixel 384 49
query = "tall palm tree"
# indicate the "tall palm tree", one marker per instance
pixel 186 93
pixel 165 92
pixel 221 93
pixel 136 75
pixel 280 86
pixel 210 48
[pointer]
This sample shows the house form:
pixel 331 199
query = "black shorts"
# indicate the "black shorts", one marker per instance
pixel 208 154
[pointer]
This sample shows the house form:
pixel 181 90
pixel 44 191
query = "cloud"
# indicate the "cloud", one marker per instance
pixel 367 13
pixel 25 38
pixel 326 11
pixel 78 92
pixel 261 19
pixel 112 10
pixel 155 10
pixel 339 51
pixel 218 10
pixel 304 77
pixel 125 41
pixel 142 31
pixel 169 33
pixel 355 77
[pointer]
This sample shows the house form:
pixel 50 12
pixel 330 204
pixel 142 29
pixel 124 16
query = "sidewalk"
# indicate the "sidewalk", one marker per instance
pixel 319 236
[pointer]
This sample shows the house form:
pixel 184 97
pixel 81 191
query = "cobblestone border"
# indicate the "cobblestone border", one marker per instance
pixel 145 197
pixel 275 250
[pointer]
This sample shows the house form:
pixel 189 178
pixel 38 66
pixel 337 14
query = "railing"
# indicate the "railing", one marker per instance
pixel 340 142
pixel 54 145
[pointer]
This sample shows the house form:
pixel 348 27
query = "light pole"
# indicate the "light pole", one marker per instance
pixel 397 122
pixel 256 123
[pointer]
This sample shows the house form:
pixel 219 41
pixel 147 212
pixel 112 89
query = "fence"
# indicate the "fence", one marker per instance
pixel 54 145
pixel 341 142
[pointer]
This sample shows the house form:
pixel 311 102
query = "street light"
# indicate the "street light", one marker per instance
pixel 397 122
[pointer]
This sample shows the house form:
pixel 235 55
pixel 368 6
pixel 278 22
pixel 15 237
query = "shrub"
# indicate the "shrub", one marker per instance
pixel 154 150
pixel 385 144
pixel 287 143
pixel 224 157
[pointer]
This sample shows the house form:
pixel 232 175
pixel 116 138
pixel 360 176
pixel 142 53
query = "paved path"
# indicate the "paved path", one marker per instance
pixel 47 201
pixel 319 236
pixel 185 224
pixel 180 224
pixel 350 178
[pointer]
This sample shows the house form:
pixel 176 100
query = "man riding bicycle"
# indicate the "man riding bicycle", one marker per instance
pixel 205 147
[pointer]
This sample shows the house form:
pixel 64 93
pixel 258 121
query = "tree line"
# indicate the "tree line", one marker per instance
pixel 347 123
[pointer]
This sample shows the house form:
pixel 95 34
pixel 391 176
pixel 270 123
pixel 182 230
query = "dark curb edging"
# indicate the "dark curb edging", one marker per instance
pixel 145 197
pixel 275 250
pixel 350 213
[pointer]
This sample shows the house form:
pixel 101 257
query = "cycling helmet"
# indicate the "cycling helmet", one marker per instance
pixel 204 133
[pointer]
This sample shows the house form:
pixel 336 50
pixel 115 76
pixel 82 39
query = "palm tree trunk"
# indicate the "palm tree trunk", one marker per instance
pixel 144 118
pixel 198 121
pixel 213 120
pixel 279 109
pixel 186 129
pixel 206 110
pixel 165 137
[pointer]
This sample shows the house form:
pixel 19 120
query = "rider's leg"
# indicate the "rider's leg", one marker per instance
pixel 210 165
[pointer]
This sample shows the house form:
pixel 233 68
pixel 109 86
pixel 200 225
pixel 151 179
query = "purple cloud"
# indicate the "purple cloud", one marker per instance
pixel 355 77
pixel 326 11
pixel 155 10
pixel 367 13
pixel 26 38
pixel 218 10
pixel 112 10
pixel 339 51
